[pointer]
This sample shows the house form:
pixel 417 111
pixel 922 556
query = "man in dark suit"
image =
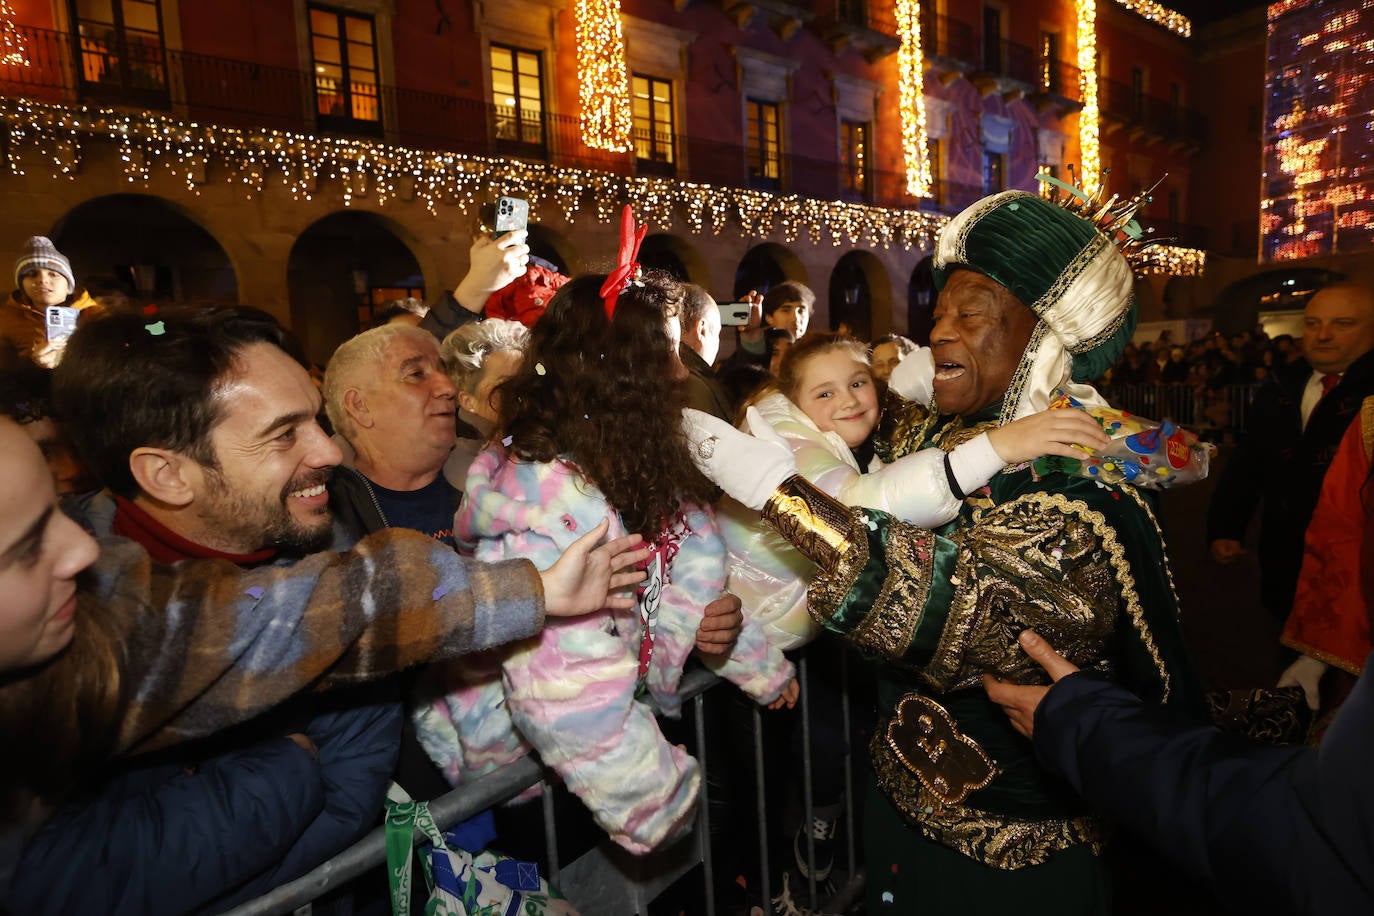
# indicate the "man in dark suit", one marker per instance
pixel 1300 412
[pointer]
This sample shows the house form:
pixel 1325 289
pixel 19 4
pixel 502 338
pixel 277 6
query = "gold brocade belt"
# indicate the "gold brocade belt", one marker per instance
pixel 927 768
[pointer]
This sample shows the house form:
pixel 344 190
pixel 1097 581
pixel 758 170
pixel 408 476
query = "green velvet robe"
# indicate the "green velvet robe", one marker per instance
pixel 1081 562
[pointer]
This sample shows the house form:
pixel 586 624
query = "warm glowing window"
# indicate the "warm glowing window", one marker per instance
pixel 653 119
pixel 934 154
pixel 854 156
pixel 1049 61
pixel 120 46
pixel 764 136
pixel 343 53
pixel 517 94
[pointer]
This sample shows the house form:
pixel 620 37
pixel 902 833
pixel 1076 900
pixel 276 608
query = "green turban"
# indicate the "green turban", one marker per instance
pixel 1065 270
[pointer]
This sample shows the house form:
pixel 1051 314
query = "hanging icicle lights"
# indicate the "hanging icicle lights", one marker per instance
pixel 54 137
pixel 911 93
pixel 603 83
pixel 1089 153
pixel 1177 23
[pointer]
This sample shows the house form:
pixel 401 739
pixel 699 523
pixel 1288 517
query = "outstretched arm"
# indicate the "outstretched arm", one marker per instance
pixel 236 642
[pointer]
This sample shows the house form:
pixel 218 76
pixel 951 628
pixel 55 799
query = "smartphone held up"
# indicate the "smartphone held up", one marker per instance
pixel 733 314
pixel 60 321
pixel 512 214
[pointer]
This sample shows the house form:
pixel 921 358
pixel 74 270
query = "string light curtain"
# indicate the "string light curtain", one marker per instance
pixel 53 138
pixel 14 50
pixel 602 77
pixel 911 98
pixel 1089 153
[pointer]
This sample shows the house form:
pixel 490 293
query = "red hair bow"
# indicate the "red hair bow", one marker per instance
pixel 627 264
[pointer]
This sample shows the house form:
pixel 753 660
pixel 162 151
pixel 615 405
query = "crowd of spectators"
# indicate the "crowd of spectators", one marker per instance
pixel 312 581
pixel 1211 362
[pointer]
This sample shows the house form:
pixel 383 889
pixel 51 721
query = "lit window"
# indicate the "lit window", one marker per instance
pixel 121 49
pixel 1049 61
pixel 517 95
pixel 854 156
pixel 763 131
pixel 343 50
pixel 653 119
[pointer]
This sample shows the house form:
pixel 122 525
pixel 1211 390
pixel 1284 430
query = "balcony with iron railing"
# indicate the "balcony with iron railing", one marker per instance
pixel 948 41
pixel 1123 106
pixel 246 95
pixel 869 26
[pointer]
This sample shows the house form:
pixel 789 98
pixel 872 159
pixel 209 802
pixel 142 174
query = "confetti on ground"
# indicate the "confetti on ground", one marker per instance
pixel 439 592
pixel 255 593
pixel 157 328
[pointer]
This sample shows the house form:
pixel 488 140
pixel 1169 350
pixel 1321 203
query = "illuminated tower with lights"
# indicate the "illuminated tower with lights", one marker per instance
pixel 1318 195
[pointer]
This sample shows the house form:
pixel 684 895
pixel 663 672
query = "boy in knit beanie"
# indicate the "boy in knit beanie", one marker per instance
pixel 42 277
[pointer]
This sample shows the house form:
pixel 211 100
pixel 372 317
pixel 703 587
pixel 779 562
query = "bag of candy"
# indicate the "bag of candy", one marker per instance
pixel 1142 453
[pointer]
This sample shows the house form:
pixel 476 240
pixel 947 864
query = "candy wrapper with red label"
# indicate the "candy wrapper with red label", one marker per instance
pixel 1143 453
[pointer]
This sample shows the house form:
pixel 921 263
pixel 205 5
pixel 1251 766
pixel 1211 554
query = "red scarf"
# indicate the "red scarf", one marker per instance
pixel 165 545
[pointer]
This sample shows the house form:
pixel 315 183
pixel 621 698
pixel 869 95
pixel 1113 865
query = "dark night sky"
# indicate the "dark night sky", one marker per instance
pixel 1205 11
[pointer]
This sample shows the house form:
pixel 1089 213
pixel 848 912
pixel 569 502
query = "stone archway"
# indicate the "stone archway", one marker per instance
pixel 149 246
pixel 339 268
pixel 765 266
pixel 860 294
pixel 554 249
pixel 675 256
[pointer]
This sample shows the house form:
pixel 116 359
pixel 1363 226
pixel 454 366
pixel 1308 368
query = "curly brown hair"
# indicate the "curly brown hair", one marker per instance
pixel 607 395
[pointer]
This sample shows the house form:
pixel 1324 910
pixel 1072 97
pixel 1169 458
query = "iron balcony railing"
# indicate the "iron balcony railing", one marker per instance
pixel 1123 103
pixel 243 94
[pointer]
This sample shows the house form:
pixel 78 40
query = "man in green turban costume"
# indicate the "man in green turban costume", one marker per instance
pixel 1034 297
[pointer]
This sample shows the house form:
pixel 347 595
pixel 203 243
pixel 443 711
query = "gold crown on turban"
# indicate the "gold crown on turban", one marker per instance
pixel 1113 217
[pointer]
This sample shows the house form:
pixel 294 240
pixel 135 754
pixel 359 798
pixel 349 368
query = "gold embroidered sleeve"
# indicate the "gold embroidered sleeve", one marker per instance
pixel 874 573
pixel 903 427
pixel 816 523
pixel 1041 561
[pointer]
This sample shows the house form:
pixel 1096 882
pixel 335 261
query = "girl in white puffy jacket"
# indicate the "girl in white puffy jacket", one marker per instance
pixel 825 405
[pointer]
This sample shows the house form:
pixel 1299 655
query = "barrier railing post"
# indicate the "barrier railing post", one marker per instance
pixel 808 802
pixel 704 806
pixel 760 786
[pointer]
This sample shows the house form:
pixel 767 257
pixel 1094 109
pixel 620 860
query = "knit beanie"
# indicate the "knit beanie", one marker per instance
pixel 39 253
pixel 1067 271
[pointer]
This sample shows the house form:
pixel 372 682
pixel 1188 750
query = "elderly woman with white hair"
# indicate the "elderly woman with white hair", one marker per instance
pixel 478 358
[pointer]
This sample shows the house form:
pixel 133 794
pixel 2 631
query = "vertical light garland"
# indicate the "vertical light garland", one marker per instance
pixel 911 98
pixel 14 51
pixel 1090 154
pixel 602 77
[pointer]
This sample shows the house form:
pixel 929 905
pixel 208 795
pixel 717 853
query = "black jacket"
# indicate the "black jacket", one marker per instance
pixel 704 391
pixel 1272 830
pixel 1282 465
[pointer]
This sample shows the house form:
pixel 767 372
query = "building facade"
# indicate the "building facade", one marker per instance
pixel 316 158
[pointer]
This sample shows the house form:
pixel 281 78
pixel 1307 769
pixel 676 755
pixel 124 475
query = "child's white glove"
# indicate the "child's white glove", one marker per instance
pixel 747 467
pixel 914 377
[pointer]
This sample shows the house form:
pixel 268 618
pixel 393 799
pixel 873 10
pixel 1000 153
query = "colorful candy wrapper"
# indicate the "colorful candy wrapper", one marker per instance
pixel 1142 452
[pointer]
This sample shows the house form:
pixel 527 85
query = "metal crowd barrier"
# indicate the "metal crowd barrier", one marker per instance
pixel 607 881
pixel 1215 413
